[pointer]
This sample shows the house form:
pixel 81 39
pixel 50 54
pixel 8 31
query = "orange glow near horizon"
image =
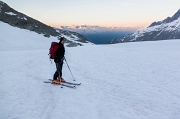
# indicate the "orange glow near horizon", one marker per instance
pixel 128 14
pixel 138 26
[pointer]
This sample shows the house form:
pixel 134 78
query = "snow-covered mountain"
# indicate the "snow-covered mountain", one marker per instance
pixel 87 29
pixel 20 20
pixel 119 81
pixel 99 34
pixel 168 28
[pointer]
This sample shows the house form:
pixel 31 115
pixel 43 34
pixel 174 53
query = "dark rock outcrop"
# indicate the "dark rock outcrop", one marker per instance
pixel 20 20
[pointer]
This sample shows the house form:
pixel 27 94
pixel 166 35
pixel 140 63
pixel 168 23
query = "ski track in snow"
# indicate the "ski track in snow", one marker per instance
pixel 121 81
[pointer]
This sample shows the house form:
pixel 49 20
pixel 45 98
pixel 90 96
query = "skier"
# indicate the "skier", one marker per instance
pixel 59 57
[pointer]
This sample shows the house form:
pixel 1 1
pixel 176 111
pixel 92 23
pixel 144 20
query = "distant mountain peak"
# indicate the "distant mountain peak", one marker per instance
pixel 161 30
pixel 167 20
pixel 176 15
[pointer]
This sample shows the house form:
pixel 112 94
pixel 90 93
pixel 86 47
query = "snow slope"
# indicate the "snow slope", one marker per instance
pixel 170 27
pixel 121 81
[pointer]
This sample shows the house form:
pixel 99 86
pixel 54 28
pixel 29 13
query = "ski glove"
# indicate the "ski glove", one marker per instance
pixel 62 59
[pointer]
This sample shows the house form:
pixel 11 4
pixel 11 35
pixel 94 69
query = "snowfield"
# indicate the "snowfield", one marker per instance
pixel 138 80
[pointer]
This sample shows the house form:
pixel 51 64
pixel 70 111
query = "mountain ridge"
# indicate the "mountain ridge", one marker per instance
pixel 99 34
pixel 161 30
pixel 167 20
pixel 20 20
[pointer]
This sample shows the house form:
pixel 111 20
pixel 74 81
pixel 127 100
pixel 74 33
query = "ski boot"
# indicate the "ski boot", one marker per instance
pixel 61 80
pixel 56 81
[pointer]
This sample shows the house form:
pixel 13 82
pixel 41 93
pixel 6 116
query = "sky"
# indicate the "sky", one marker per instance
pixel 107 13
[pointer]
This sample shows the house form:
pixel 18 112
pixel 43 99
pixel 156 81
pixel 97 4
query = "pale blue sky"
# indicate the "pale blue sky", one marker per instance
pixel 116 13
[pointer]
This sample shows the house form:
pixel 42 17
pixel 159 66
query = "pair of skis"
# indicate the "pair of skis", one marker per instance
pixel 70 85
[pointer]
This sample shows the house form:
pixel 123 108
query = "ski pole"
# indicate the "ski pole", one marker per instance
pixel 69 68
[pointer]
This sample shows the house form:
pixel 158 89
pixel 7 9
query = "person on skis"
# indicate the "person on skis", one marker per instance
pixel 59 57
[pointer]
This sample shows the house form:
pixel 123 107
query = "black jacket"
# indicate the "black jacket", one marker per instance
pixel 59 54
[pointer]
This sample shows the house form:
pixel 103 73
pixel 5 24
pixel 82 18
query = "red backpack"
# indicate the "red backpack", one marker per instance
pixel 53 49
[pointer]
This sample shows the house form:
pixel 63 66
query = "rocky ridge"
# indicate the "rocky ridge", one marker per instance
pixel 20 20
pixel 166 29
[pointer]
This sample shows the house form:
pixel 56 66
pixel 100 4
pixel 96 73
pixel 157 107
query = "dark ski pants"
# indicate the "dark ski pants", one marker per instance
pixel 58 72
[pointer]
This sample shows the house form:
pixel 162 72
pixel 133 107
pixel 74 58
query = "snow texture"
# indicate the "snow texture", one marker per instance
pixel 138 80
pixel 10 13
pixel 24 18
